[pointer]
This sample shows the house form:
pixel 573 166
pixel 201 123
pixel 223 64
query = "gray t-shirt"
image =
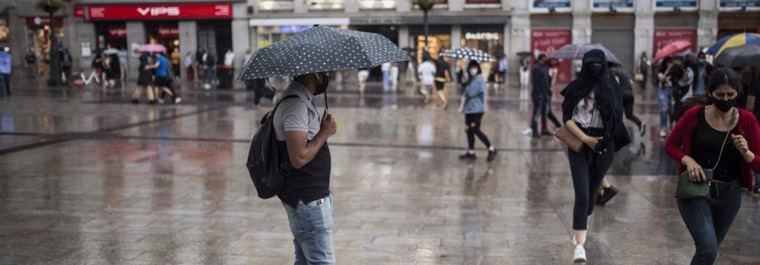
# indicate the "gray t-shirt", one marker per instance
pixel 298 115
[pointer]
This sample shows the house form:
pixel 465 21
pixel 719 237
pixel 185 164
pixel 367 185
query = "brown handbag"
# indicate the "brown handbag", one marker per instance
pixel 568 138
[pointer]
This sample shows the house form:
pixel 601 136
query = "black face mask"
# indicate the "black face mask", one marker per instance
pixel 322 86
pixel 724 105
pixel 595 68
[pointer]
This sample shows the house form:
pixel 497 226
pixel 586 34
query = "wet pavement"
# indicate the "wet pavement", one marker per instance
pixel 88 178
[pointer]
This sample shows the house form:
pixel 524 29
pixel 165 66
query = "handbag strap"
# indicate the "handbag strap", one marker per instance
pixel 722 147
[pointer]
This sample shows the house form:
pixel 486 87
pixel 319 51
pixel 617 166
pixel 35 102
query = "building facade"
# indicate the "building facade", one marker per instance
pixel 500 27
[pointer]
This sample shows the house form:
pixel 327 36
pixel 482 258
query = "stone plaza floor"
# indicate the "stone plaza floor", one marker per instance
pixel 86 177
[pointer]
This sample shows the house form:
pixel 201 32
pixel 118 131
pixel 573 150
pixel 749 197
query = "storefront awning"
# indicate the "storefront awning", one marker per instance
pixel 297 21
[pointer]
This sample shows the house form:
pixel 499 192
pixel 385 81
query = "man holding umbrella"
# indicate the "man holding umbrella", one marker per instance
pixel 301 132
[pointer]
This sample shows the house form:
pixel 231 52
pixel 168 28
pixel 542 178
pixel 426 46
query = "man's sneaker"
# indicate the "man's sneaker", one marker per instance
pixel 580 254
pixel 643 129
pixel 607 196
pixel 491 155
pixel 663 133
pixel 468 156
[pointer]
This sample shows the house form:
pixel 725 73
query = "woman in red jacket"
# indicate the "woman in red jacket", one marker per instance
pixel 696 142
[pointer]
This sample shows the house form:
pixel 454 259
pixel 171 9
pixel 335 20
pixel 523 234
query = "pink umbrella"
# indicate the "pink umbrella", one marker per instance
pixel 152 47
pixel 672 48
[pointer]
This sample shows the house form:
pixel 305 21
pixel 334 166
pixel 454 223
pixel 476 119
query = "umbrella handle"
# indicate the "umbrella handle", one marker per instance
pixel 326 107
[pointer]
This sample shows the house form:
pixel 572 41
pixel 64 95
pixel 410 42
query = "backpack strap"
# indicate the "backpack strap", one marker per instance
pixel 283 99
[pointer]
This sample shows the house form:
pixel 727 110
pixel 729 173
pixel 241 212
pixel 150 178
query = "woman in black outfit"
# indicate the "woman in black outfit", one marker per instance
pixel 592 110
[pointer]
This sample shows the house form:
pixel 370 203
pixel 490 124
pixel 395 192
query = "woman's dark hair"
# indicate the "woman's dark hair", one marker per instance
pixel 718 77
pixel 475 64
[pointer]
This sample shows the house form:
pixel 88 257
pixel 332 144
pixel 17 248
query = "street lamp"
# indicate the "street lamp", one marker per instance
pixel 425 6
pixel 50 7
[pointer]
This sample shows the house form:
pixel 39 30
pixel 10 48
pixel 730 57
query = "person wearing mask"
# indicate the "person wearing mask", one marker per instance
pixel 722 136
pixel 144 79
pixel 442 76
pixel 625 84
pixel 665 95
pixel 302 135
pixel 163 80
pixel 541 83
pixel 6 65
pixel 644 65
pixel 426 73
pixel 592 111
pixel 473 106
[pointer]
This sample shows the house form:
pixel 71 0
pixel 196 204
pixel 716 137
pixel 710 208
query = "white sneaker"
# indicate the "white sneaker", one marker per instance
pixel 177 100
pixel 663 133
pixel 580 254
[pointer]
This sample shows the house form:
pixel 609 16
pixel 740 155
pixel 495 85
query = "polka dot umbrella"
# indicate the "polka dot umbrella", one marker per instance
pixel 322 49
pixel 468 54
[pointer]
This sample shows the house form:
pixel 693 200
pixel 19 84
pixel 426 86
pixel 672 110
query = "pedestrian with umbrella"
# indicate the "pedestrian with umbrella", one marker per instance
pixel 5 71
pixel 301 132
pixel 473 107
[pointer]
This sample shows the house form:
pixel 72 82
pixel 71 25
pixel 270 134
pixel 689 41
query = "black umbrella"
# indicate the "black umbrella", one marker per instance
pixel 740 57
pixel 322 49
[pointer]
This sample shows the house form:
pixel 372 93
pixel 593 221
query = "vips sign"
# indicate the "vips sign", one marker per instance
pixel 160 11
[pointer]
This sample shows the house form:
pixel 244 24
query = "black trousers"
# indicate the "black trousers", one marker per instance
pixel 588 169
pixel 472 122
pixel 628 101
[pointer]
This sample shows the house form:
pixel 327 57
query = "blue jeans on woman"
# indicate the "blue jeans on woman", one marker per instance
pixel 311 225
pixel 709 221
pixel 666 107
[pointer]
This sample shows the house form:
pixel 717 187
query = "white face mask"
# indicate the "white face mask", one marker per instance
pixel 473 71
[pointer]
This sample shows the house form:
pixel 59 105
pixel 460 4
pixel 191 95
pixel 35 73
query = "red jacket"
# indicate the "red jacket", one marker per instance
pixel 679 141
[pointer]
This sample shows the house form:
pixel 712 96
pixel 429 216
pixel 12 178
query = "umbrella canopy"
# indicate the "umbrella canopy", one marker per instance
pixel 110 51
pixel 468 54
pixel 576 52
pixel 152 47
pixel 322 49
pixel 672 48
pixel 732 41
pixel 740 57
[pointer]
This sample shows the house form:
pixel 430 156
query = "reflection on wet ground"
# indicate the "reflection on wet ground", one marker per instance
pixel 88 178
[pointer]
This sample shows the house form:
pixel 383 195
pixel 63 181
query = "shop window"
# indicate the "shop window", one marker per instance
pixel 326 4
pixel 437 43
pixel 377 4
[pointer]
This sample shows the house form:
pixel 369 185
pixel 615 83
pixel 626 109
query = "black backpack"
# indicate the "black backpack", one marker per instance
pixel 264 157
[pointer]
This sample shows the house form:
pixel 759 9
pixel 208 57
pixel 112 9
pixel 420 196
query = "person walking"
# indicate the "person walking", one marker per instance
pixel 6 66
pixel 65 64
pixel 592 111
pixel 683 78
pixel 209 66
pixel 189 69
pixel 394 76
pixel 227 70
pixel 503 68
pixel 703 69
pixel 442 76
pixel 361 77
pixel 541 90
pixel 144 80
pixel 644 65
pixel 553 71
pixel 176 58
pixel 200 61
pixel 163 82
pixel 96 71
pixel 426 73
pixel 722 136
pixel 386 70
pixel 302 135
pixel 30 63
pixel 473 106
pixel 524 73
pixel 665 95
pixel 625 83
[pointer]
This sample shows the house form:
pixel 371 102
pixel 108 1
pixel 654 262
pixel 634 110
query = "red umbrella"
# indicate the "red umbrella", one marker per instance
pixel 672 48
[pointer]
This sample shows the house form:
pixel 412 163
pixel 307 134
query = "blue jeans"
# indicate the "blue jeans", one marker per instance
pixel 709 221
pixel 311 225
pixel 666 107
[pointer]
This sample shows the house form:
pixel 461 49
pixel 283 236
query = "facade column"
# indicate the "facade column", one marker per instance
pixel 643 30
pixel 456 36
pixel 581 21
pixel 403 37
pixel 351 6
pixel 707 26
pixel 518 31
pixel 188 42
pixel 135 34
pixel 241 40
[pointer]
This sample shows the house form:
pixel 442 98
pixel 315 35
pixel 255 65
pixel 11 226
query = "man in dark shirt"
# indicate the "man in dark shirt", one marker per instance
pixel 442 75
pixel 541 90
